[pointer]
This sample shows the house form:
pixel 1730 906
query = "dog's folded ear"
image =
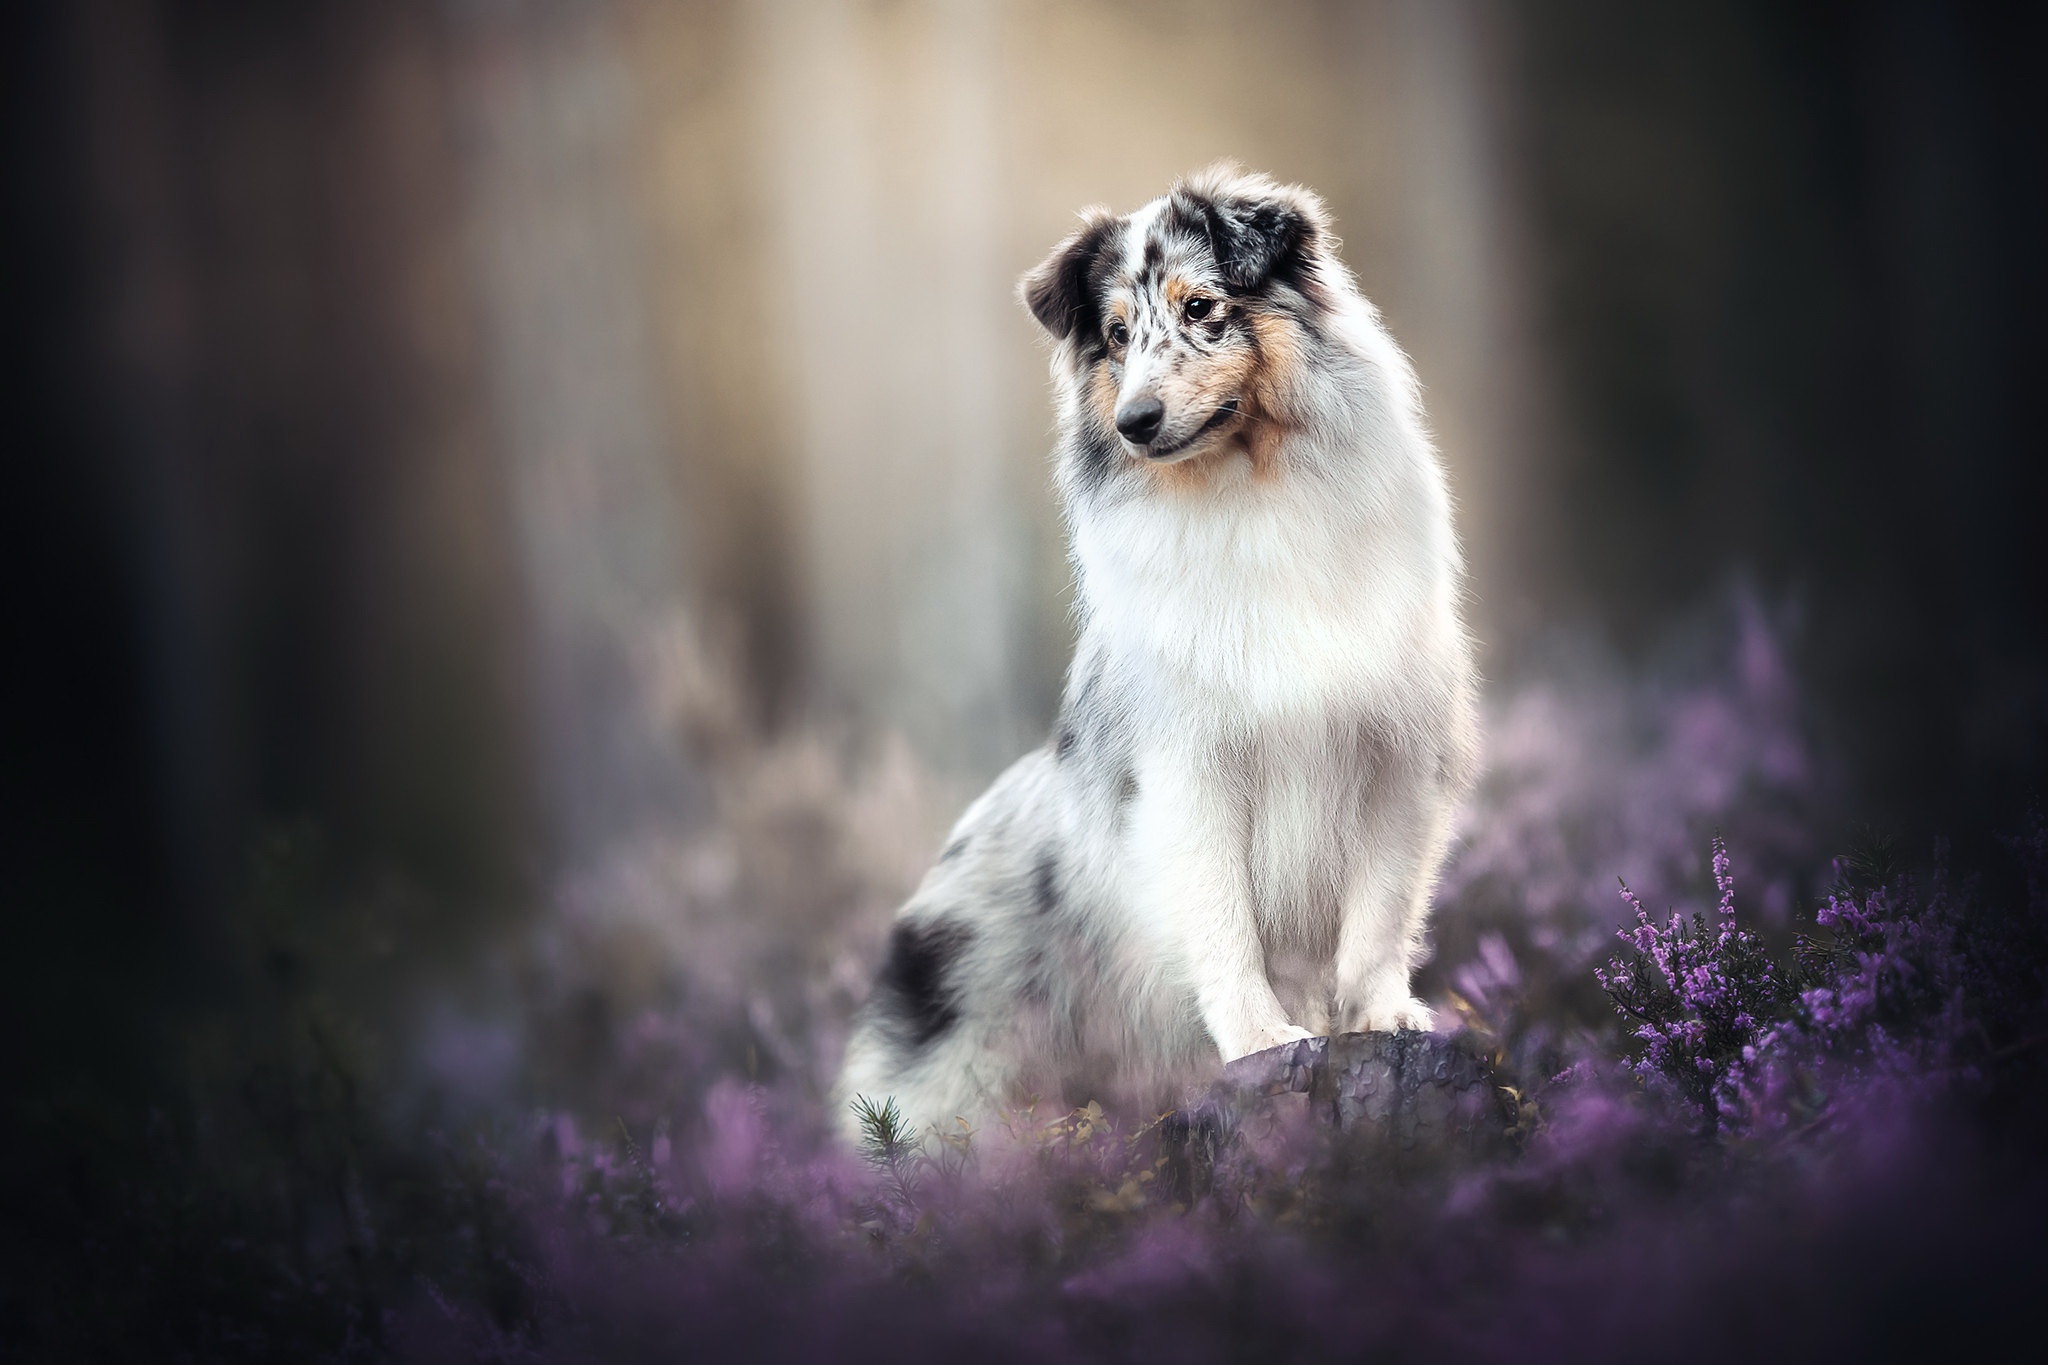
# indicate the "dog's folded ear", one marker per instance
pixel 1256 240
pixel 1259 230
pixel 1060 290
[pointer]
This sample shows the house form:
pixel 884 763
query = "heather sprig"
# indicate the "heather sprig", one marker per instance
pixel 1700 996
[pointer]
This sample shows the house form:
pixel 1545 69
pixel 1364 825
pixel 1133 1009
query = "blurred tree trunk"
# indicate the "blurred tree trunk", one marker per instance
pixel 548 114
pixel 285 358
pixel 915 532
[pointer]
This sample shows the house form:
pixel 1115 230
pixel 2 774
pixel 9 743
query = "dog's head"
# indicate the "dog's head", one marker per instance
pixel 1183 323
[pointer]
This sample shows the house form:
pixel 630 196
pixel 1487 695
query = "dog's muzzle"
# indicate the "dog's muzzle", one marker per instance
pixel 1216 419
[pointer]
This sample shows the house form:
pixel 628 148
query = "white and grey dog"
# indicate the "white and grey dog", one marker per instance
pixel 1230 839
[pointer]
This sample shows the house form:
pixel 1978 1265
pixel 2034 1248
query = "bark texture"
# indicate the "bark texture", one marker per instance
pixel 1404 1097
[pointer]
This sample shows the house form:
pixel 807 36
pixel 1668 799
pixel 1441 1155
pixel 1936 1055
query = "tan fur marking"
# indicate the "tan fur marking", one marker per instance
pixel 1277 379
pixel 1261 437
pixel 1178 290
pixel 1192 475
pixel 1102 394
pixel 1272 386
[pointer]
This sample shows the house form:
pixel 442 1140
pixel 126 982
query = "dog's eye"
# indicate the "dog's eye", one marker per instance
pixel 1198 308
pixel 1117 335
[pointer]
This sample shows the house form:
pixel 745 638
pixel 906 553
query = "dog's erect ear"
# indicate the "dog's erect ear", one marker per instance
pixel 1059 290
pixel 1258 230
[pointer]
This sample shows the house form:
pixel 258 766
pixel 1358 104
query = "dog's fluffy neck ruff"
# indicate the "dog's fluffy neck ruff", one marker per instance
pixel 1240 578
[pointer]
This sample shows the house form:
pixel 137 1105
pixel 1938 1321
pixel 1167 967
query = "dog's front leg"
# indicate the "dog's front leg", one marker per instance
pixel 1192 893
pixel 1403 833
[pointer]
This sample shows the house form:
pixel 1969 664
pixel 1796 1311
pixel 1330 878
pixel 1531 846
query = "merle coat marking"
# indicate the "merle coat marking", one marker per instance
pixel 1230 838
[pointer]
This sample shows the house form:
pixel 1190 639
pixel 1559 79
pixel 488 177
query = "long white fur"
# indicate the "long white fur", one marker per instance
pixel 1278 664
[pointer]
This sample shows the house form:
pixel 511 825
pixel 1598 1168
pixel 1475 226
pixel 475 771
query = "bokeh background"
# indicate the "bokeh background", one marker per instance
pixel 491 484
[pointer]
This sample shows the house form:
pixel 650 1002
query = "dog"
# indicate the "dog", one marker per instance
pixel 1230 838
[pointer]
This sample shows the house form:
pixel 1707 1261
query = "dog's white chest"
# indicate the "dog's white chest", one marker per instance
pixel 1256 603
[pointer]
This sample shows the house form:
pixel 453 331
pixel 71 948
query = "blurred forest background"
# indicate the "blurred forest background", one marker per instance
pixel 452 443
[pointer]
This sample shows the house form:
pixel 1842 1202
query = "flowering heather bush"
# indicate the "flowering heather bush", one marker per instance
pixel 1912 981
pixel 1891 976
pixel 1594 770
pixel 1904 983
pixel 1699 997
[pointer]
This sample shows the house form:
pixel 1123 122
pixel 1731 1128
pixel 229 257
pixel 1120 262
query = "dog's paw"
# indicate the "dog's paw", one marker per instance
pixel 1403 1013
pixel 1268 1038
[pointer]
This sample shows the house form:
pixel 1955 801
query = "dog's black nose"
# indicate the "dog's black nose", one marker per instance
pixel 1139 420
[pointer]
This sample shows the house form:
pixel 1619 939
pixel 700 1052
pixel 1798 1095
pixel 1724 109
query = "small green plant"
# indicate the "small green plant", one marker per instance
pixel 885 1136
pixel 899 1152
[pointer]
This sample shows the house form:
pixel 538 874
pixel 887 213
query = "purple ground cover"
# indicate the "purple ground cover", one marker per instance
pixel 1795 1120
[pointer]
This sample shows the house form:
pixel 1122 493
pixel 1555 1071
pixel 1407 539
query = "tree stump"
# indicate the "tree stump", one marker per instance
pixel 1406 1098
